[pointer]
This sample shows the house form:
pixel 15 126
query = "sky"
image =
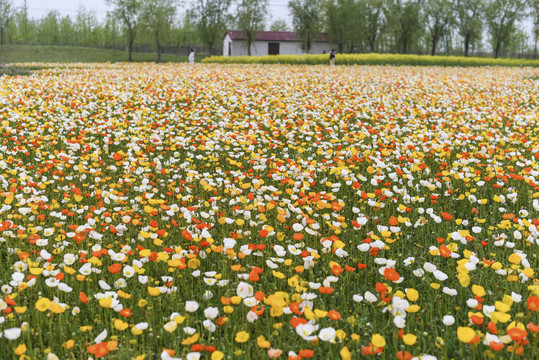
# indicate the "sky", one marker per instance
pixel 39 8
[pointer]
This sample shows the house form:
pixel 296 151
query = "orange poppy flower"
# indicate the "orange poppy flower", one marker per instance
pixel 492 327
pixel 83 298
pixel 533 303
pixel 335 206
pixel 444 251
pixel 253 276
pixel 532 327
pixel 337 270
pixel 98 350
pixel 187 235
pixel 295 321
pixel 477 320
pixel 404 355
pixel 221 321
pixel 326 289
pixel 294 307
pixel 306 353
pixel 259 295
pixel 334 315
pixel 115 268
pixel 446 216
pixel 391 274
pixel 517 334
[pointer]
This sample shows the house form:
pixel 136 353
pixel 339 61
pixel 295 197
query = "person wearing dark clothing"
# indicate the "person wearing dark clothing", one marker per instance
pixel 332 54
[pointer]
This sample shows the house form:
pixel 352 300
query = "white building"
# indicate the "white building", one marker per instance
pixel 271 43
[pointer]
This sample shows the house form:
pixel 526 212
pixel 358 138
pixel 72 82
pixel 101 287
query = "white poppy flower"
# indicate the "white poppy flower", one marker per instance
pixel 327 334
pixel 448 320
pixel 12 334
pixel 244 290
pixel 191 306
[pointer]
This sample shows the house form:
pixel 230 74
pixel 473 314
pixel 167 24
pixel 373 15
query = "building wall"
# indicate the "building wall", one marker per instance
pixel 260 48
pixel 227 40
pixel 320 47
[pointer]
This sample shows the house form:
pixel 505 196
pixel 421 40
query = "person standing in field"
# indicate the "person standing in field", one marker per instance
pixel 192 56
pixel 332 57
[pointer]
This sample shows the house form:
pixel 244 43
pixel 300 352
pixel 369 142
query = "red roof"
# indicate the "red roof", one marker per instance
pixel 273 36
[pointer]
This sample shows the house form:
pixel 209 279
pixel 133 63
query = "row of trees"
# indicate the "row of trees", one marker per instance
pixel 405 26
pixel 420 26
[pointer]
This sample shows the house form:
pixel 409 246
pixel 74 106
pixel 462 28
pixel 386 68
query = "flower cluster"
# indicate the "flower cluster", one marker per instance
pixel 219 211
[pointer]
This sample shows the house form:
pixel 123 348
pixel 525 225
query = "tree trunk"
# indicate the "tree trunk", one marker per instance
pixel 130 49
pixel 340 47
pixel 497 49
pixel 466 45
pixel 249 41
pixel 404 45
pixel 372 45
pixel 158 43
pixel 433 49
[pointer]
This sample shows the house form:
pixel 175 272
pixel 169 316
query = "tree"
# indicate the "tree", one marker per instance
pixel 87 28
pixel 128 12
pixel 111 33
pixel 157 15
pixel 187 34
pixel 306 20
pixel 251 18
pixel 501 17
pixel 279 25
pixel 48 30
pixel 25 26
pixel 5 18
pixel 374 20
pixel 344 21
pixel 469 17
pixel 405 17
pixel 439 16
pixel 67 32
pixel 211 19
pixel 534 9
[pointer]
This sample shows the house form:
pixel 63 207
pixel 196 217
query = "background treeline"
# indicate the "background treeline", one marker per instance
pixel 498 28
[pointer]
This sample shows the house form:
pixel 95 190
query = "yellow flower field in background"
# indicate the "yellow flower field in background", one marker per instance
pixel 248 211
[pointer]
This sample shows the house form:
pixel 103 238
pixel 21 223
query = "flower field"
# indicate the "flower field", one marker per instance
pixel 254 212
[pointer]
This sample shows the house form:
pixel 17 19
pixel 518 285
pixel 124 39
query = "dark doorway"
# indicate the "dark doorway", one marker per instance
pixel 273 48
pixel 230 49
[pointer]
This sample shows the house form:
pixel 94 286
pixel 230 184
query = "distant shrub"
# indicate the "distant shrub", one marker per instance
pixel 372 59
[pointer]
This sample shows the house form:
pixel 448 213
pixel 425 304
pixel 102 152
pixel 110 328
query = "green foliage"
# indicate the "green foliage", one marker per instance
pixel 5 18
pixel 128 12
pixel 345 21
pixel 306 20
pixel 250 18
pixel 439 18
pixel 211 20
pixel 502 16
pixel 157 16
pixel 374 21
pixel 372 59
pixel 406 22
pixel 279 25
pixel 470 15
